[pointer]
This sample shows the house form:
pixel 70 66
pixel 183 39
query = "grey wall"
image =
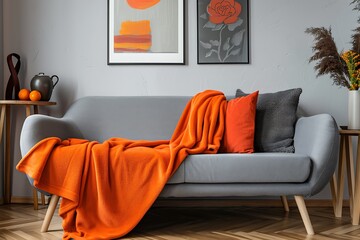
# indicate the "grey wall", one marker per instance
pixel 68 38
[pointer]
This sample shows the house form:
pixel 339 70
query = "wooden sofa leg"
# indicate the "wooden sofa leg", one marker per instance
pixel 50 213
pixel 285 203
pixel 42 199
pixel 304 214
pixel 35 199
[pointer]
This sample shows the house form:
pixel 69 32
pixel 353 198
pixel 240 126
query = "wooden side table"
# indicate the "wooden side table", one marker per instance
pixel 346 160
pixel 5 118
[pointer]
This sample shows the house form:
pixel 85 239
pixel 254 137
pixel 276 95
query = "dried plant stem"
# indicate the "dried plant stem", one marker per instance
pixel 327 57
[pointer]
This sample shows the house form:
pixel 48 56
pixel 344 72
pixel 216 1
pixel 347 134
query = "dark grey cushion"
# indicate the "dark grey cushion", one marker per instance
pixel 275 120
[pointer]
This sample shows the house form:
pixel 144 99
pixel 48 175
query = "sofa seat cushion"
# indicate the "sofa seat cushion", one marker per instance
pixel 247 168
pixel 179 175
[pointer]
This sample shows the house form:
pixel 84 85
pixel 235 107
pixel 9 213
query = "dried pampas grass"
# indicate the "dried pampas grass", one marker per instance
pixel 327 56
pixel 328 59
pixel 357 5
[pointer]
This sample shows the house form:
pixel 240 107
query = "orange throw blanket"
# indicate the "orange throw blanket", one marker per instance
pixel 108 187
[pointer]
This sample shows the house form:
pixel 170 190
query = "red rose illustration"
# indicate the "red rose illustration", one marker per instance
pixel 223 11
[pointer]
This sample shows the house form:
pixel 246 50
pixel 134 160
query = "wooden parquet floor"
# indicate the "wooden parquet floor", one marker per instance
pixel 20 221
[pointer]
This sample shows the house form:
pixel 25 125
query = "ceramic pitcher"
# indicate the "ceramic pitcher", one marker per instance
pixel 44 84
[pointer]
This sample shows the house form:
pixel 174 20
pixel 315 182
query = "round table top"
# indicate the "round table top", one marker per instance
pixel 22 102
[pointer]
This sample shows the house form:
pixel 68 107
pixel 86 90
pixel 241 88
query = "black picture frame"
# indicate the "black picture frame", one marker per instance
pixel 127 49
pixel 223 37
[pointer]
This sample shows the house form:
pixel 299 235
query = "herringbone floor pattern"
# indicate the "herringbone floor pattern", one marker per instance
pixel 20 221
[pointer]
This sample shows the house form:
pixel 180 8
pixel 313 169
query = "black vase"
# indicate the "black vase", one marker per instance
pixel 44 84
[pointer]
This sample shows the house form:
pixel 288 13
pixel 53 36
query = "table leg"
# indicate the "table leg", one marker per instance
pixel 340 187
pixel 35 193
pixel 28 110
pixel 35 199
pixel 350 170
pixel 36 109
pixel 7 194
pixel 356 207
pixel 333 189
pixel 334 180
pixel 42 199
pixel 2 121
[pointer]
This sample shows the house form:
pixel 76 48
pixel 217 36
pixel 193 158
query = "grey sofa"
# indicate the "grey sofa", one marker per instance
pixel 300 174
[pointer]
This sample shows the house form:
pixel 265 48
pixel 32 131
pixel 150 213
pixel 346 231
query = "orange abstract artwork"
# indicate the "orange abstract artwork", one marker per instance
pixel 134 36
pixel 145 31
pixel 142 4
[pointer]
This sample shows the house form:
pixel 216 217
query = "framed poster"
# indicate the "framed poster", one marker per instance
pixel 223 31
pixel 146 32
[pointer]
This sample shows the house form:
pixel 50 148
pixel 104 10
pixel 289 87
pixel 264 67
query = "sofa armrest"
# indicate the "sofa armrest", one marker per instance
pixel 37 127
pixel 318 137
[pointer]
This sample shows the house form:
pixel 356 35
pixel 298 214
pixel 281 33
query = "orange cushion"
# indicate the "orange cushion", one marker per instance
pixel 240 124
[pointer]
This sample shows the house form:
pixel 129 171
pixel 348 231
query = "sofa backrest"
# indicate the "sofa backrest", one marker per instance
pixel 144 117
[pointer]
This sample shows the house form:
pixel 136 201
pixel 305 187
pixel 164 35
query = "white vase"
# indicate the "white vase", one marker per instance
pixel 354 110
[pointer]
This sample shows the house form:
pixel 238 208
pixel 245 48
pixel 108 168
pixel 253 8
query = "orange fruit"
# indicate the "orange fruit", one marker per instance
pixel 24 94
pixel 35 95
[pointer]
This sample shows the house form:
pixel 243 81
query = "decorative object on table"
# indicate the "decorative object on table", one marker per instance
pixel 13 85
pixel 223 31
pixel 24 94
pixel 343 67
pixel 146 32
pixel 35 95
pixel 354 109
pixel 27 95
pixel 44 84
